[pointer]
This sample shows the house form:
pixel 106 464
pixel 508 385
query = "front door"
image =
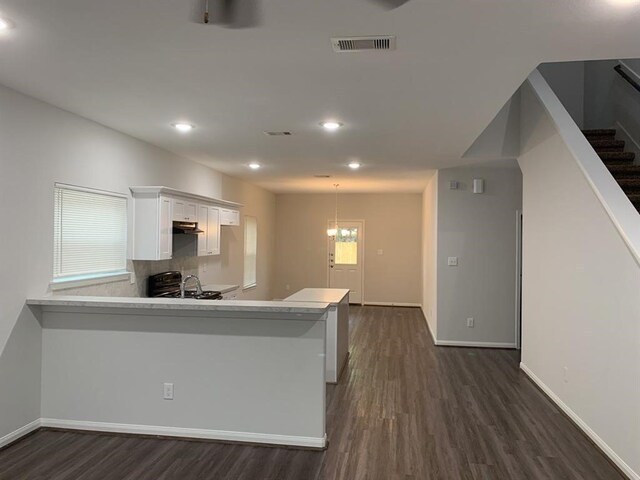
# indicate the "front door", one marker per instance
pixel 346 259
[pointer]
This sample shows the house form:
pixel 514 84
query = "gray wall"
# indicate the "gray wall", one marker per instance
pixel 567 79
pixel 42 145
pixel 479 229
pixel 233 377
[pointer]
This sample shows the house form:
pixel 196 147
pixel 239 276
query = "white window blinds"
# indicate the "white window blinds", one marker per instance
pixel 250 251
pixel 90 233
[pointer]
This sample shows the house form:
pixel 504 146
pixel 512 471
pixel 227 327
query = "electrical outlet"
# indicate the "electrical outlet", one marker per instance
pixel 470 322
pixel 168 391
pixel 132 278
pixel 452 261
pixel 287 287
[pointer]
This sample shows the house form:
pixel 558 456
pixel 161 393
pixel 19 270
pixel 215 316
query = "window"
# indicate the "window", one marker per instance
pixel 347 246
pixel 89 234
pixel 250 251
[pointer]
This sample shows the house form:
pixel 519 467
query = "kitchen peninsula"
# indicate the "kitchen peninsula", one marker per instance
pixel 250 371
pixel 337 325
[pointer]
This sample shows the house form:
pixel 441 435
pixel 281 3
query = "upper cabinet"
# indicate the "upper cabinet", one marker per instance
pixel 229 217
pixel 156 208
pixel 184 210
pixel 209 223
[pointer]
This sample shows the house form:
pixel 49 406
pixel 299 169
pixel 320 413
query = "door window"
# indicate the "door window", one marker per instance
pixel 347 246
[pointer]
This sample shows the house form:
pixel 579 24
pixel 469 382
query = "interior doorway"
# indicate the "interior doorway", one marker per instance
pixel 345 258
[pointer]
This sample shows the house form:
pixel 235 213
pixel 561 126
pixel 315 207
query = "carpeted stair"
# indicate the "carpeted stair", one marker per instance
pixel 619 162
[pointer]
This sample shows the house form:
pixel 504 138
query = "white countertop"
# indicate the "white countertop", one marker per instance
pixel 178 304
pixel 323 295
pixel 221 288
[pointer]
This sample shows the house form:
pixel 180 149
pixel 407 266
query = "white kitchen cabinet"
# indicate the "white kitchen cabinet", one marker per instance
pixel 156 208
pixel 229 216
pixel 166 229
pixel 209 222
pixel 152 227
pixel 184 210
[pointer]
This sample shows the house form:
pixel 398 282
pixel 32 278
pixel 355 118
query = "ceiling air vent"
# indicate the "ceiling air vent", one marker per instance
pixel 361 44
pixel 277 134
pixel 322 176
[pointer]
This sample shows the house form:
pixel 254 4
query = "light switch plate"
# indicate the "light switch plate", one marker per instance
pixel 452 261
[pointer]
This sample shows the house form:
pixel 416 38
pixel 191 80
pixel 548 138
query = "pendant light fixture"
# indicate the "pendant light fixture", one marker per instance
pixel 332 232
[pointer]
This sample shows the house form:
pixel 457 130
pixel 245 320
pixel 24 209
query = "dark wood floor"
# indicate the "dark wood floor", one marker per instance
pixel 404 409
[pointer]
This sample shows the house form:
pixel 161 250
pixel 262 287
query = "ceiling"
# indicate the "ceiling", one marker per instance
pixel 137 66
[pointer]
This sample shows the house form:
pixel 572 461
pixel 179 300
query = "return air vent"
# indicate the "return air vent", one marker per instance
pixel 278 134
pixel 322 176
pixel 361 44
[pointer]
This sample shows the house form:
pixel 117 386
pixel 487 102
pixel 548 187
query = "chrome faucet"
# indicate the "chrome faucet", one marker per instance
pixel 183 285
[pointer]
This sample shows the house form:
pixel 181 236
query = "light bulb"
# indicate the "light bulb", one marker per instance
pixel 183 127
pixel 331 125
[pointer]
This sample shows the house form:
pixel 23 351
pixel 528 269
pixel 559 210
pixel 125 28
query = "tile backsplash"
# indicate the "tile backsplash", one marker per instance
pixel 142 269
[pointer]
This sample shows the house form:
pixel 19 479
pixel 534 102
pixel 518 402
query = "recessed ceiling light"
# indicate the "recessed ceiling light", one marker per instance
pixel 354 165
pixel 254 165
pixel 331 125
pixel 5 24
pixel 183 127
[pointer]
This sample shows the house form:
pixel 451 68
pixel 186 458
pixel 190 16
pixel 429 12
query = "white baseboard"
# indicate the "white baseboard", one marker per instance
pixel 392 304
pixel 19 433
pixel 426 320
pixel 222 435
pixel 608 451
pixel 456 343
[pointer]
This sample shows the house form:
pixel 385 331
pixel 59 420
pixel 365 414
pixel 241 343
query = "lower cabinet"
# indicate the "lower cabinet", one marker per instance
pixel 209 222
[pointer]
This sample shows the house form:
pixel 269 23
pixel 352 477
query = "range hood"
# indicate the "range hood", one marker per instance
pixel 188 228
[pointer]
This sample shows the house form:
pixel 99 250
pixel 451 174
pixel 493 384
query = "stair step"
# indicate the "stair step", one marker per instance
pixel 630 185
pixel 617 157
pixel 599 132
pixel 608 145
pixel 634 197
pixel 624 171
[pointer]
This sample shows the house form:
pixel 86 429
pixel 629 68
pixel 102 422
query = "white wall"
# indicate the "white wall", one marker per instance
pixel 581 308
pixel 501 138
pixel 42 145
pixel 479 229
pixel 430 255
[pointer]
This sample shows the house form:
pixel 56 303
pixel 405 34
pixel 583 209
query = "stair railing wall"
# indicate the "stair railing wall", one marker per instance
pixel 620 210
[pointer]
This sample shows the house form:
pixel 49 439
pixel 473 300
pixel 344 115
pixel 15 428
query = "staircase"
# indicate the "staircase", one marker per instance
pixel 619 162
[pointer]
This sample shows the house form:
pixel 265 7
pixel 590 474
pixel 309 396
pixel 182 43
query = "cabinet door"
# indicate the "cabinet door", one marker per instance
pixel 184 210
pixel 203 224
pixel 213 231
pixel 191 212
pixel 229 217
pixel 165 230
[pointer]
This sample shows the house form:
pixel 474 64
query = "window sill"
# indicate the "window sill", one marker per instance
pixel 87 280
